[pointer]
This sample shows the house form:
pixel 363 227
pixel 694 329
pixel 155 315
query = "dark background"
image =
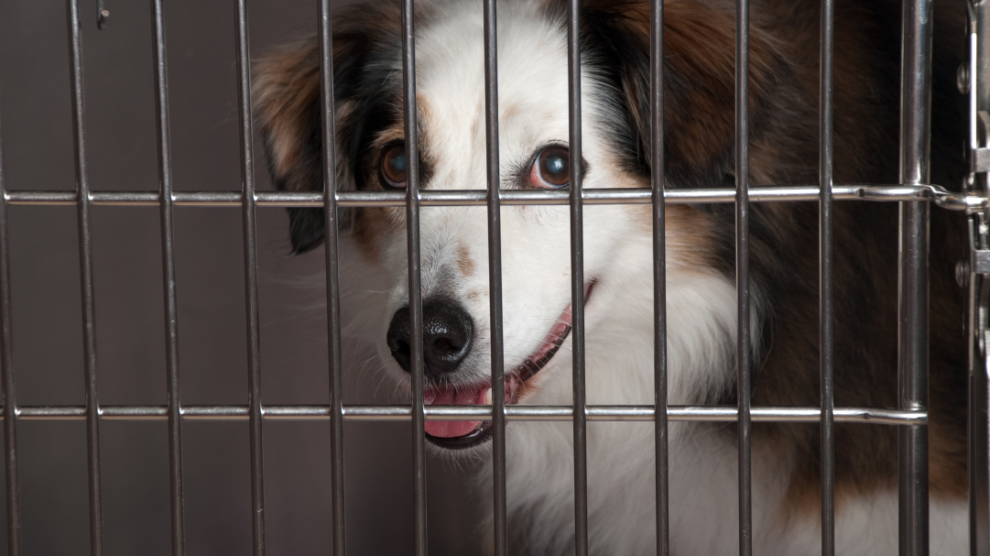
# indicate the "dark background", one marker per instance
pixel 36 127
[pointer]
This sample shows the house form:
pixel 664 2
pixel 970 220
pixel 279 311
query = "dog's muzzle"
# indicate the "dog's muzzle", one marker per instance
pixel 447 335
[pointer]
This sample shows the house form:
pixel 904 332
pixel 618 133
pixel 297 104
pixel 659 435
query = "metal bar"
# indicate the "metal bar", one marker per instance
pixel 913 276
pixel 662 500
pixel 708 413
pixel 577 280
pixel 979 78
pixel 976 11
pixel 336 367
pixel 978 338
pixel 826 348
pixel 86 277
pixel 7 378
pixel 979 401
pixel 168 281
pixel 495 278
pixel 763 194
pixel 415 286
pixel 742 278
pixel 913 378
pixel 251 279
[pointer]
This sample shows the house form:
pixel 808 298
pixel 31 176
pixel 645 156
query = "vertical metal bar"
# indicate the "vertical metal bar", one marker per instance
pixel 86 276
pixel 825 177
pixel 979 401
pixel 916 56
pixel 168 280
pixel 978 98
pixel 913 275
pixel 743 350
pixel 659 276
pixel 913 378
pixel 495 276
pixel 979 78
pixel 7 377
pixel 577 282
pixel 333 284
pixel 979 363
pixel 415 287
pixel 251 280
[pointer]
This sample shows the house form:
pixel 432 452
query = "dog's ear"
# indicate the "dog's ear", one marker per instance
pixel 699 80
pixel 287 97
pixel 286 94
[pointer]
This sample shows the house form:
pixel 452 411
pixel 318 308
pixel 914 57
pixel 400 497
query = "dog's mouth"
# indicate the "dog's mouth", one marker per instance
pixel 465 434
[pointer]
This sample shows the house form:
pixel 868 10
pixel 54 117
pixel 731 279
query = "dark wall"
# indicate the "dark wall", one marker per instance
pixel 36 126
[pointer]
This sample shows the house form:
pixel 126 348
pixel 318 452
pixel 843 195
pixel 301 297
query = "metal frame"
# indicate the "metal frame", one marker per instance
pixel 974 80
pixel 914 195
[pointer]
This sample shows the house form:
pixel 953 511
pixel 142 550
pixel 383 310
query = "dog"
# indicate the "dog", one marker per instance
pixel 699 42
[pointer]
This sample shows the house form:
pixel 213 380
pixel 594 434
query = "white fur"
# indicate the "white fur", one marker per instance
pixel 701 308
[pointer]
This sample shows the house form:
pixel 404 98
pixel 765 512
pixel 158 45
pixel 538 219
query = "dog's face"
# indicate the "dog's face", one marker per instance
pixel 533 154
pixel 533 149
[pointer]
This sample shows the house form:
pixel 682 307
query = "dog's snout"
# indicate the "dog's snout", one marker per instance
pixel 447 332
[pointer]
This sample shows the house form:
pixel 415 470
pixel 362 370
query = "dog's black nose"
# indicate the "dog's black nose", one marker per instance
pixel 446 337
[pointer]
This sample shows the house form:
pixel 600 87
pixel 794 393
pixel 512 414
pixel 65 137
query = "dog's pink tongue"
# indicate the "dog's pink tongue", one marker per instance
pixel 448 395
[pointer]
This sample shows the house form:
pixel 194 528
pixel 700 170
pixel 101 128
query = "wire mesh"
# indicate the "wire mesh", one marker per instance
pixel 914 195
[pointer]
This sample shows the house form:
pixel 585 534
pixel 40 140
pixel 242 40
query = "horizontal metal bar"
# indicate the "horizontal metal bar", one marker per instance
pixel 477 197
pixel 477 412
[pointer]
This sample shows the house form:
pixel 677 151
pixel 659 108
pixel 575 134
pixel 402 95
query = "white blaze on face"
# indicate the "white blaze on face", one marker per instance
pixel 536 240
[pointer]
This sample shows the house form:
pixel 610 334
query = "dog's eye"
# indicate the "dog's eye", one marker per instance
pixel 393 166
pixel 551 169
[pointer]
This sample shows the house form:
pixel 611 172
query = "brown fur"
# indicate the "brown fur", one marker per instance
pixel 286 93
pixel 464 261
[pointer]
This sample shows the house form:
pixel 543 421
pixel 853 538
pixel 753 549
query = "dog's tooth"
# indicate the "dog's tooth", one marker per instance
pixel 488 397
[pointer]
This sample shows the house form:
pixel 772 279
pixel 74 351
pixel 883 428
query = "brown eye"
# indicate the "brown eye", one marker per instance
pixel 393 166
pixel 551 169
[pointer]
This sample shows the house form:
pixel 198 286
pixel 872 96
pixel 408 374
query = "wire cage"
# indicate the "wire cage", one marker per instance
pixel 914 195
